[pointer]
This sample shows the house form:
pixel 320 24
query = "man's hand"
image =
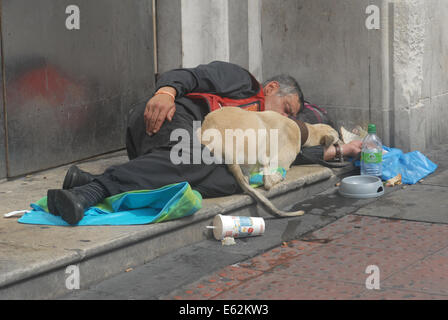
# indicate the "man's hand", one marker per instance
pixel 352 149
pixel 159 108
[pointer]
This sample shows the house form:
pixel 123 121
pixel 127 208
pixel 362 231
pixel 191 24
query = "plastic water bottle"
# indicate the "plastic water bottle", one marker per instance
pixel 372 153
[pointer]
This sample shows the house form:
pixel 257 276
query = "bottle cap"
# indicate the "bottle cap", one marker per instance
pixel 371 128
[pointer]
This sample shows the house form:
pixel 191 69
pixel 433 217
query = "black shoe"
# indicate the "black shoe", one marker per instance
pixel 68 204
pixel 50 202
pixel 76 177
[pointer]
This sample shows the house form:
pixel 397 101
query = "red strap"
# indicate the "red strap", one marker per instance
pixel 215 102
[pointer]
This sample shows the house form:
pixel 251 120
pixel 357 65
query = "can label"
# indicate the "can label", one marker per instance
pixel 243 227
pixel 232 226
pixel 372 157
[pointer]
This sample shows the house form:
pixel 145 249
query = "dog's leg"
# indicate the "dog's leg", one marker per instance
pixel 270 180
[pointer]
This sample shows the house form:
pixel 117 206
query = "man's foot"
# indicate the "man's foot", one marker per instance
pixel 68 204
pixel 50 202
pixel 76 177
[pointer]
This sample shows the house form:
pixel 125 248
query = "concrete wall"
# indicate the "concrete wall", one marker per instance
pixel 169 35
pixel 68 91
pixel 3 158
pixel 192 32
pixel 420 62
pixel 328 49
pixel 394 77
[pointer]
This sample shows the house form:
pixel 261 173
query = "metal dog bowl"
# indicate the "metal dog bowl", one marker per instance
pixel 361 187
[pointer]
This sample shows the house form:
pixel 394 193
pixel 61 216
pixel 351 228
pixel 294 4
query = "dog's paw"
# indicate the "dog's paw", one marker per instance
pixel 271 180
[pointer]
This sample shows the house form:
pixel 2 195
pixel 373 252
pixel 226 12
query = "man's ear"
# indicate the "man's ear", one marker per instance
pixel 271 88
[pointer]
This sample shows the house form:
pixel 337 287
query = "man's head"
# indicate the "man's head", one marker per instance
pixel 283 95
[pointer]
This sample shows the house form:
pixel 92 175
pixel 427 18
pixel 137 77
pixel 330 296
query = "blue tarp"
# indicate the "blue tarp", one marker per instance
pixel 131 208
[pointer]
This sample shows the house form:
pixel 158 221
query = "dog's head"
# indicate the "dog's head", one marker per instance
pixel 330 136
pixel 322 134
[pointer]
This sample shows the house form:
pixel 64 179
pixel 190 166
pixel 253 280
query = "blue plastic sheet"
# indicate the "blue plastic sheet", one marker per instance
pixel 256 179
pixel 131 208
pixel 412 166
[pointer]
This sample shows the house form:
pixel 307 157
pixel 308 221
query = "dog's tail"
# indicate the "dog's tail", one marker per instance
pixel 235 169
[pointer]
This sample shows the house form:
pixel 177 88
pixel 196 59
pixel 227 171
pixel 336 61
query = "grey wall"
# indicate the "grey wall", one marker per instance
pixel 328 49
pixel 394 77
pixel 323 43
pixel 68 92
pixel 169 35
pixel 238 33
pixel 2 133
pixel 192 32
pixel 420 62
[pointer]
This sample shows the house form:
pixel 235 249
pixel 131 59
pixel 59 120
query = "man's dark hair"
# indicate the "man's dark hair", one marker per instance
pixel 288 85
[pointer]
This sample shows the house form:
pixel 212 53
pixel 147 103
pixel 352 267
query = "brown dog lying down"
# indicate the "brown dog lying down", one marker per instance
pixel 249 141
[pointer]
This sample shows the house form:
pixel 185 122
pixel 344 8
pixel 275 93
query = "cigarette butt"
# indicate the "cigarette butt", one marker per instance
pixel 15 213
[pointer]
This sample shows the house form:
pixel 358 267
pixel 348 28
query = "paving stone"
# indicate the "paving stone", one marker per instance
pixel 344 226
pixel 214 284
pixel 278 256
pixel 442 252
pixel 331 264
pixel 429 276
pixel 346 263
pixel 392 294
pixel 417 202
pixel 285 287
pixel 185 265
pixel 440 179
pixel 400 235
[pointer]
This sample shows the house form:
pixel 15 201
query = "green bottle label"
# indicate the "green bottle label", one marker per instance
pixel 371 157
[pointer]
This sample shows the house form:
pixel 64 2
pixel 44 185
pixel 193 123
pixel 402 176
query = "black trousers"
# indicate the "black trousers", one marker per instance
pixel 150 165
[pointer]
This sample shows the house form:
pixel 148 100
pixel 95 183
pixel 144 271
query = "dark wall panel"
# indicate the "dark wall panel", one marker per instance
pixel 326 46
pixel 68 92
pixel 2 131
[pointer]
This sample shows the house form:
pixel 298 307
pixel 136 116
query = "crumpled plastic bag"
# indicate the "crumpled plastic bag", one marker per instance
pixel 413 166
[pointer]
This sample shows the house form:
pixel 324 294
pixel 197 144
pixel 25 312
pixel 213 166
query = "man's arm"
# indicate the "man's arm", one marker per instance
pixel 221 78
pixel 351 149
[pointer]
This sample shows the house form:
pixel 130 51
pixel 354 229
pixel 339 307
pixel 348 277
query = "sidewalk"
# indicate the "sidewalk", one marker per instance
pixel 33 259
pixel 404 235
pixel 412 259
pixel 320 255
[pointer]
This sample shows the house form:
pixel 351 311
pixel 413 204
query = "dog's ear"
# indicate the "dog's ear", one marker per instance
pixel 327 140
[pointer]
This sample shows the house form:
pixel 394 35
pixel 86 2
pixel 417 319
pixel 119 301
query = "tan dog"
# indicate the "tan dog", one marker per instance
pixel 237 134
